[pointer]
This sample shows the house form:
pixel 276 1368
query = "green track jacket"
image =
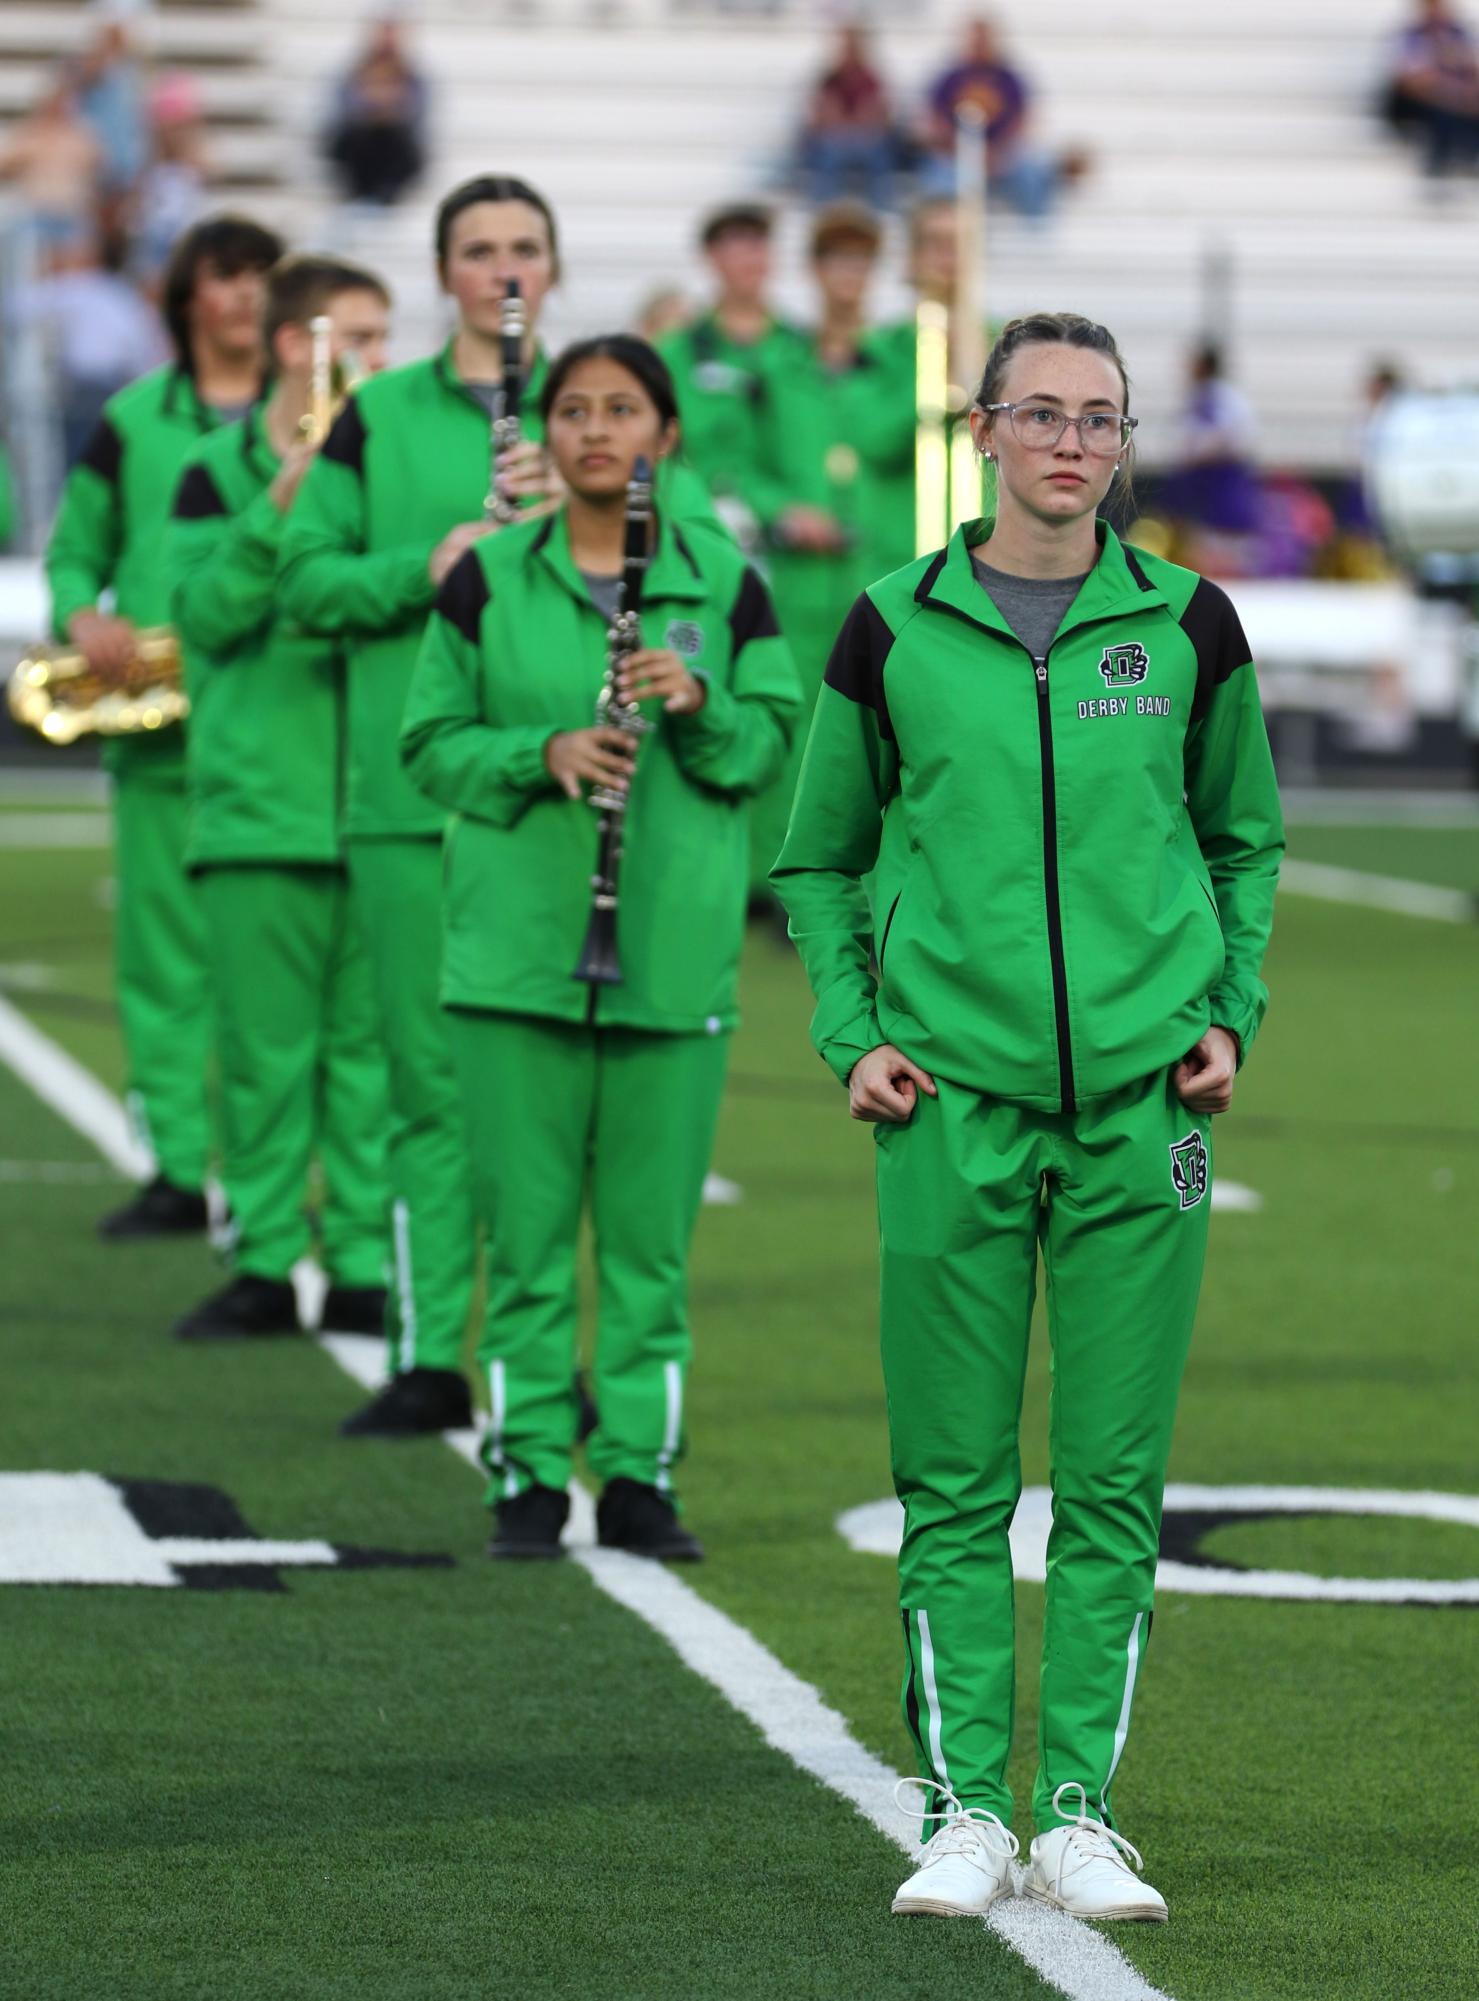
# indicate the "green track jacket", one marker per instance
pixel 407 460
pixel 515 652
pixel 265 723
pixel 719 385
pixel 109 530
pixel 1076 856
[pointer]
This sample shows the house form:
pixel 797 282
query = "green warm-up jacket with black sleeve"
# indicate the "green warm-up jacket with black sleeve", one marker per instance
pixel 1075 856
pixel 265 697
pixel 407 460
pixel 110 527
pixel 516 652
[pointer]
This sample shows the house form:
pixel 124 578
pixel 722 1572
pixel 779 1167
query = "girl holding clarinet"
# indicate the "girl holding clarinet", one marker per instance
pixel 575 1071
pixel 1047 749
pixel 425 460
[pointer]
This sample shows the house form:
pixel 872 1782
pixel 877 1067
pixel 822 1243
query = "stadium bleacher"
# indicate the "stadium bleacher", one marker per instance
pixel 1240 178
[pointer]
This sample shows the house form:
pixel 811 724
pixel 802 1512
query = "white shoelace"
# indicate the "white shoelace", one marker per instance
pixel 966 1827
pixel 1090 1840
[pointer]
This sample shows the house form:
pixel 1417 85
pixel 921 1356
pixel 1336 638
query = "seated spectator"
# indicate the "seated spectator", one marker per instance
pixel 848 145
pixel 55 159
pixel 1432 92
pixel 376 138
pixel 104 332
pixel 1212 493
pixel 1021 173
pixel 171 192
pixel 111 99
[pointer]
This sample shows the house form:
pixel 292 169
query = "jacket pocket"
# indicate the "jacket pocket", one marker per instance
pixel 888 925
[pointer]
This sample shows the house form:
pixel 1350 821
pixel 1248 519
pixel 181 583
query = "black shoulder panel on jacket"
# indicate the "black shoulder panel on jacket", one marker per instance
pixel 752 615
pixel 463 594
pixel 345 444
pixel 198 497
pixel 103 452
pixel 856 666
pixel 1214 629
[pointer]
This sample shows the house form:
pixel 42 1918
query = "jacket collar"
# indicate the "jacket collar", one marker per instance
pixel 1115 586
pixel 183 399
pixel 445 369
pixel 672 574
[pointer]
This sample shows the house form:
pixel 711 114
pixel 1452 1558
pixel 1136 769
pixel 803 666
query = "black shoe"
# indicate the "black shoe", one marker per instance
pixel 160 1210
pixel 643 1522
pixel 353 1309
pixel 413 1404
pixel 528 1526
pixel 588 1416
pixel 249 1306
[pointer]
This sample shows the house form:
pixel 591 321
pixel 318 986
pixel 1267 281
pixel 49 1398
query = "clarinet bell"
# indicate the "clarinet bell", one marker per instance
pixel 599 964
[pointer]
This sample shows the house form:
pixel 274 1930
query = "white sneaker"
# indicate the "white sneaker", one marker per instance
pixel 966 1865
pixel 1083 1869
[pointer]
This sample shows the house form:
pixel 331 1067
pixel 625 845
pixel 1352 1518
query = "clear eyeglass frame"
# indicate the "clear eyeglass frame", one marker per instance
pixel 1043 437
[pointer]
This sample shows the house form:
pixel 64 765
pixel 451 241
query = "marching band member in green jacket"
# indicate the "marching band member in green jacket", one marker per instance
pixel 1050 748
pixel 109 539
pixel 719 360
pixel 302 1073
pixel 835 431
pixel 569 1084
pixel 394 498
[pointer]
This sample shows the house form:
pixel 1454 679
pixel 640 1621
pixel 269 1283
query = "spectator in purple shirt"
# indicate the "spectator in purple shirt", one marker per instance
pixel 1024 175
pixel 1432 92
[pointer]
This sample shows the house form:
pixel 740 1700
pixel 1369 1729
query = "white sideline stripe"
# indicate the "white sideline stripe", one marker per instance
pixel 188 1549
pixel 788 1712
pixel 56 1173
pixel 72 1092
pixel 1377 892
pixel 1319 806
pixel 1235 1196
pixel 56 830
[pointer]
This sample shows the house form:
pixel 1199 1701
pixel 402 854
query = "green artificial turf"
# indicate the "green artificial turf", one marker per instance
pixel 448 1783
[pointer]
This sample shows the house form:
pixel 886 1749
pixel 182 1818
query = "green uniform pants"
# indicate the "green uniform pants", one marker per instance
pixel 396 891
pixel 554 1108
pixel 1117 1195
pixel 163 1001
pixel 302 1073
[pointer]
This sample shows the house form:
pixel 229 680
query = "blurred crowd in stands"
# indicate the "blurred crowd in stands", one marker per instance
pixel 113 163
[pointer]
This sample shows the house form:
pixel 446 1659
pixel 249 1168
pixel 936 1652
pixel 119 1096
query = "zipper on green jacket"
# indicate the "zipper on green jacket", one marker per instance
pixel 1050 882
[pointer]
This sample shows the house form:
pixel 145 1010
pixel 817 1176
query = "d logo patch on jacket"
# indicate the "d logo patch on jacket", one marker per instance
pixel 1123 666
pixel 684 638
pixel 1189 1169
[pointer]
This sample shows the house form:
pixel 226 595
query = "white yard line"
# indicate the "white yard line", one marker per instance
pixel 1326 806
pixel 1377 892
pixel 788 1712
pixel 56 830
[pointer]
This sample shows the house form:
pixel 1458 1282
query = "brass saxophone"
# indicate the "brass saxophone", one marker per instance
pixel 600 960
pixel 57 693
pixel 507 429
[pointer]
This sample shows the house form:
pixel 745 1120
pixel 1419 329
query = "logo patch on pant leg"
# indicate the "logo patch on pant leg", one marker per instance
pixel 1189 1169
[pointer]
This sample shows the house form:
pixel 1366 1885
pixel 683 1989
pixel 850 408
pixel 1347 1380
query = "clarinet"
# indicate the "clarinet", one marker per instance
pixel 600 962
pixel 506 427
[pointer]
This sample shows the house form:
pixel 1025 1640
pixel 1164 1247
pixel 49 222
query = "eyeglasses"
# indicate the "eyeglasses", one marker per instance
pixel 1038 426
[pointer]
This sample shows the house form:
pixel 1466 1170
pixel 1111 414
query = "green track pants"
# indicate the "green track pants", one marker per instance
pixel 396 891
pixel 554 1109
pixel 1117 1195
pixel 302 1073
pixel 163 999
